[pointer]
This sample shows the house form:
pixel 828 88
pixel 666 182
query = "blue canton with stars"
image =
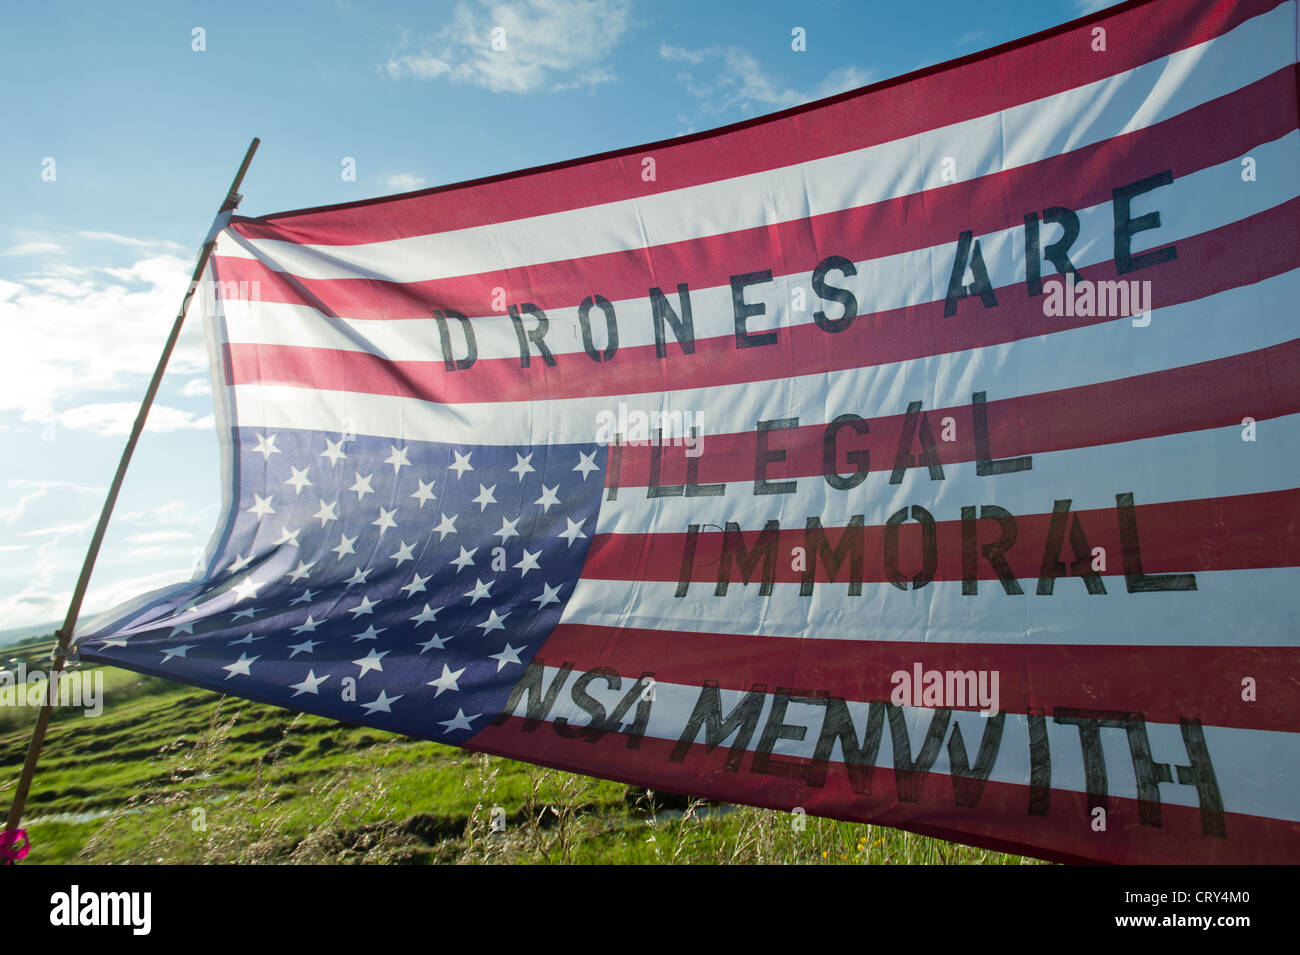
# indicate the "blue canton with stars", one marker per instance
pixel 400 584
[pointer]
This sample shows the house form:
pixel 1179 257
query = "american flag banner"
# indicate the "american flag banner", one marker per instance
pixel 924 455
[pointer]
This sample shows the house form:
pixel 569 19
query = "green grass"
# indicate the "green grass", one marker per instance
pixel 175 774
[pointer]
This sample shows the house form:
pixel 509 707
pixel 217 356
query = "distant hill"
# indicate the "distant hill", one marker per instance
pixel 18 634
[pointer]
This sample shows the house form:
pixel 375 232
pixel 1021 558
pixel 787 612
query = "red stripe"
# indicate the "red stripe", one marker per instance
pixel 1211 394
pixel 982 84
pixel 1199 682
pixel 999 821
pixel 1207 263
pixel 1246 531
pixel 1080 179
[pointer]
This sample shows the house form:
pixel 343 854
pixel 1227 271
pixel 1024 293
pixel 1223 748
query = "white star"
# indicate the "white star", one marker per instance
pixel 240 666
pixel 397 459
pixel 425 615
pixel 246 588
pixel 246 638
pixel 480 591
pixel 528 563
pixel 465 559
pixel 370 633
pixel 462 464
pixel 239 563
pixel 508 655
pixel 307 626
pixel 299 479
pixel 448 526
pixel 381 703
pixel 493 622
pixel 485 497
pixel 362 486
pixel 333 451
pixel 458 722
pixel 447 681
pixel 112 642
pixel 586 464
pixel 303 598
pixel 522 466
pixel 310 684
pixel 288 537
pixel 416 586
pixel 549 595
pixel 425 493
pixel 403 554
pixel 266 447
pixel 300 571
pixel 327 513
pixel 435 642
pixel 177 651
pixel 507 529
pixel 358 577
pixel 572 532
pixel 385 520
pixel 183 628
pixel 371 661
pixel 365 607
pixel 307 646
pixel 262 505
pixel 548 498
pixel 248 612
pixel 345 546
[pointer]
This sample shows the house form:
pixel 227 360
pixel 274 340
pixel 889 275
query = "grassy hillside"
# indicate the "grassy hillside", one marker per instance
pixel 174 774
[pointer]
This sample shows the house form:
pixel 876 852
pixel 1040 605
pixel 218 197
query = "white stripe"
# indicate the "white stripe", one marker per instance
pixel 1245 608
pixel 1192 332
pixel 1243 759
pixel 1194 204
pixel 1009 138
pixel 1215 462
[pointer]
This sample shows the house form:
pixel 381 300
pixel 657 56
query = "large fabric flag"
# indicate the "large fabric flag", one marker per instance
pixel 925 455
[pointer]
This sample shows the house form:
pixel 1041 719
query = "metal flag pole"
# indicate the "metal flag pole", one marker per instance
pixel 13 841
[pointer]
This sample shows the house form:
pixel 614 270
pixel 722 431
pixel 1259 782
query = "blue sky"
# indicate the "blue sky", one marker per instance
pixel 145 132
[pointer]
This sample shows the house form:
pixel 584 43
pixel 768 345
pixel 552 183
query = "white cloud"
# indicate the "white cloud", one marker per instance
pixel 35 602
pixel 161 537
pixel 117 417
pixel 729 78
pixel 421 65
pixel 181 557
pixel 59 530
pixel 733 80
pixel 1084 7
pixel 178 512
pixel 197 387
pixel 841 81
pixel 404 181
pixel 10 515
pixel 30 608
pixel 40 491
pixel 146 549
pixel 127 240
pixel 38 605
pixel 70 338
pixel 549 45
pixel 33 248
